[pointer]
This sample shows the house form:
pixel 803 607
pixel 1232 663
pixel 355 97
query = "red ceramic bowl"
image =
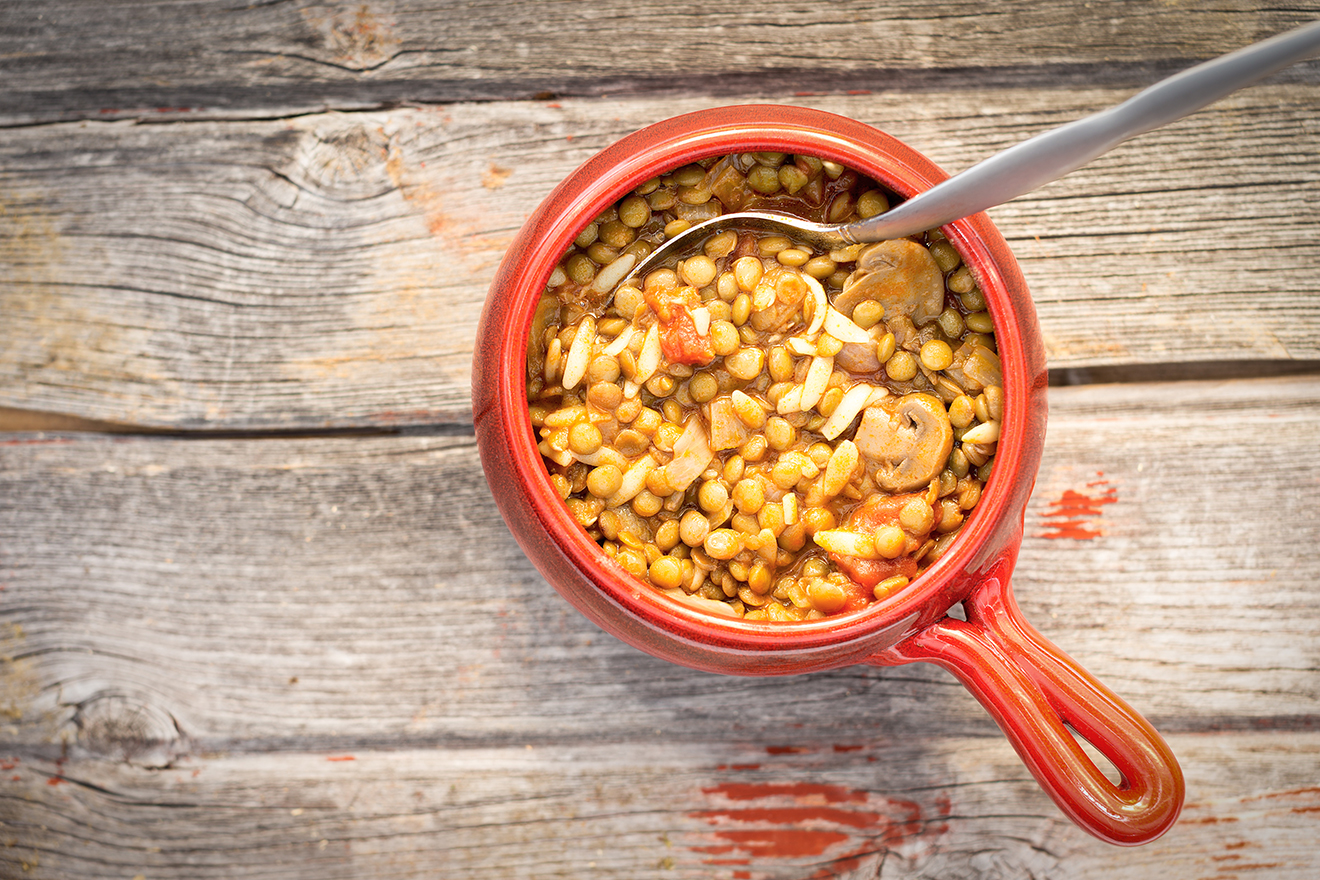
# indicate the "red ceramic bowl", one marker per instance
pixel 1029 686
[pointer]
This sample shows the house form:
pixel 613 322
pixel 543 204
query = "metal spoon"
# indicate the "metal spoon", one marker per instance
pixel 1031 163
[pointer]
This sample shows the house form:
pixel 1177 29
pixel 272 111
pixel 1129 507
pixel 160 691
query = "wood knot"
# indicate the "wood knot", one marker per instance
pixel 344 161
pixel 359 38
pixel 124 728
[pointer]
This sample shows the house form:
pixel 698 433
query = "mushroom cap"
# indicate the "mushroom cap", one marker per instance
pixel 905 441
pixel 901 275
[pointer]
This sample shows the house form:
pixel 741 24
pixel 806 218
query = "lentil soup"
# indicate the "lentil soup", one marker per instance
pixel 764 430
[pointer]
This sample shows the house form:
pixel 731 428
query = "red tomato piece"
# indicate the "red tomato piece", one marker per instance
pixel 679 339
pixel 681 342
pixel 881 510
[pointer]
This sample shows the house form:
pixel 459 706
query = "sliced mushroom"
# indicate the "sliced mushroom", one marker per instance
pixel 905 440
pixel 901 275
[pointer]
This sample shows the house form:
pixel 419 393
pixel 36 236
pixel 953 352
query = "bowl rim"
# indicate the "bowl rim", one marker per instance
pixel 671 143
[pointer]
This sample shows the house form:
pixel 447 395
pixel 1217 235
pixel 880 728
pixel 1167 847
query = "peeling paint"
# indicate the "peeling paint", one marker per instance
pixel 1075 514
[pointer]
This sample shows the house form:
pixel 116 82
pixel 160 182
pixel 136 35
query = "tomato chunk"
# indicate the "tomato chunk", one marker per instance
pixel 882 510
pixel 680 339
pixel 682 343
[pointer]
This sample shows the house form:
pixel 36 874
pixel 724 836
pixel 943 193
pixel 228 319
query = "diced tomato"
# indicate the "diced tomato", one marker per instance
pixel 681 342
pixel 881 510
pixel 869 572
pixel 679 339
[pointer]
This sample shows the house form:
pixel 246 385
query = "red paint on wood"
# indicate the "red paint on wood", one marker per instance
pixel 748 791
pixel 1074 514
pixel 763 822
pixel 776 843
pixel 1208 820
pixel 786 750
pixel 782 815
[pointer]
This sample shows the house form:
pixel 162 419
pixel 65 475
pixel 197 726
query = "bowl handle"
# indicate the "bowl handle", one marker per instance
pixel 1033 689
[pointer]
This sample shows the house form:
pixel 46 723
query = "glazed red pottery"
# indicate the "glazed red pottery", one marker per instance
pixel 1032 689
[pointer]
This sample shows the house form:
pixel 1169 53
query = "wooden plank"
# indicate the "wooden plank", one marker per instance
pixel 1182 549
pixel 328 271
pixel 663 806
pixel 327 658
pixel 169 60
pixel 346 593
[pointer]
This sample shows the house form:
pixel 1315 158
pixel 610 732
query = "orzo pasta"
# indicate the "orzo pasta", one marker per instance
pixel 763 429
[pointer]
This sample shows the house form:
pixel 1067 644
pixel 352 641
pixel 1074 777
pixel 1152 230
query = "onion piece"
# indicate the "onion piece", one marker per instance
pixel 613 273
pixel 727 429
pixel 818 379
pixel 791 401
pixel 701 320
pixel 554 356
pixel 842 328
pixel 800 346
pixel 820 305
pixel 604 455
pixel 983 434
pixel 648 360
pixel 790 505
pixel 846 543
pixel 579 353
pixel 692 455
pixel 622 341
pixel 854 400
pixel 561 457
pixel 634 481
pixel 858 358
pixel 701 603
pixel 718 518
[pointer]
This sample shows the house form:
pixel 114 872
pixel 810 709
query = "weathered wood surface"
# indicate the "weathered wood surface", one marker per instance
pixel 185 60
pixel 202 629
pixel 328 271
pixel 665 806
pixel 315 651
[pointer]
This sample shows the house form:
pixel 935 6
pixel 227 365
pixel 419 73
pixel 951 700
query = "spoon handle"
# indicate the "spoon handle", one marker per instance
pixel 1048 156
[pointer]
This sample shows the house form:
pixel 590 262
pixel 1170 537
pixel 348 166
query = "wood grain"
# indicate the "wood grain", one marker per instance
pixel 328 271
pixel 210 59
pixel 259 617
pixel 663 805
pixel 344 593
